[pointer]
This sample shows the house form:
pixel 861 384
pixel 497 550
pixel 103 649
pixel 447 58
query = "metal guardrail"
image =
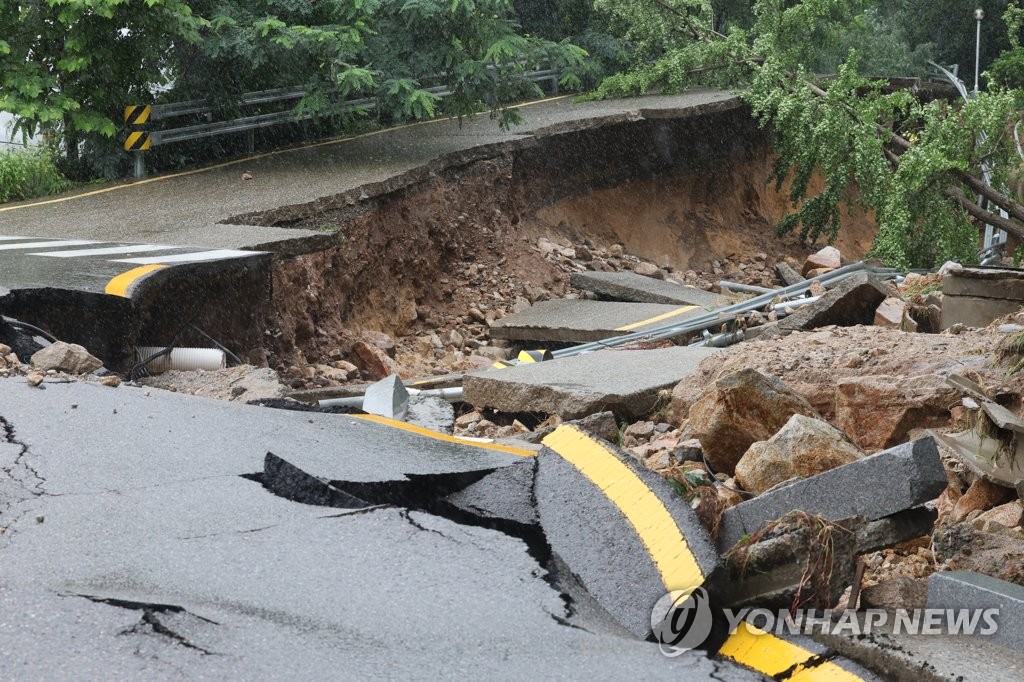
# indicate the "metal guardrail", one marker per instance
pixel 248 124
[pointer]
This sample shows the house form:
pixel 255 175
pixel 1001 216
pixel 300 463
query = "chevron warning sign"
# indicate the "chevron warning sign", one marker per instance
pixel 137 141
pixel 137 114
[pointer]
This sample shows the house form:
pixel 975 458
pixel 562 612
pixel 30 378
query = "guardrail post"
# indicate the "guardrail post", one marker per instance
pixel 138 141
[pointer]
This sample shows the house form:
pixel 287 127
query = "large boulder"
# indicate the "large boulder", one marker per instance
pixel 65 357
pixel 738 410
pixel 802 448
pixel 881 411
pixel 826 259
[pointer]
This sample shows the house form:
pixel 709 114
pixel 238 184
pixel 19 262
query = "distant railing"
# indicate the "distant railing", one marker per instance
pixel 140 140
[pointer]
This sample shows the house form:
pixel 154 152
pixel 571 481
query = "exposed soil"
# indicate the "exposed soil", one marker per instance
pixel 449 249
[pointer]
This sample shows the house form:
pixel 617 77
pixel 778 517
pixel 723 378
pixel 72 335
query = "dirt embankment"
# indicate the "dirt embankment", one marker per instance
pixel 415 254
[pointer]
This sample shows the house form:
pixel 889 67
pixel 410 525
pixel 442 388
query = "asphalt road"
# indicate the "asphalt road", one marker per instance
pixel 139 548
pixel 190 208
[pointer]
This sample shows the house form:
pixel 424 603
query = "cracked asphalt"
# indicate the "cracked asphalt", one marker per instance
pixel 147 546
pixel 191 208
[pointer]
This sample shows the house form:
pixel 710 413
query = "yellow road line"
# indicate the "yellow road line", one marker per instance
pixel 119 285
pixel 249 159
pixel 444 437
pixel 772 655
pixel 645 512
pixel 656 318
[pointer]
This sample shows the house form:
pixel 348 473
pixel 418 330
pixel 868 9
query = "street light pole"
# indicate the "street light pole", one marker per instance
pixel 979 14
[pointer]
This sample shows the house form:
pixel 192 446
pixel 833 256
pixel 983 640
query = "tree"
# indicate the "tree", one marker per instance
pixel 69 66
pixel 917 165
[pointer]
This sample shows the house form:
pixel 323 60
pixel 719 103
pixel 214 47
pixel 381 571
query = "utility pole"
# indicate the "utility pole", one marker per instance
pixel 979 14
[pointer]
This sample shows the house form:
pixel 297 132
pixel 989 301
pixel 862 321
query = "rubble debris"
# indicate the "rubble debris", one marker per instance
pixel 738 410
pixel 619 528
pixel 632 287
pixel 850 302
pixel 826 259
pixel 243 383
pixel 35 378
pixel 969 590
pixel 874 487
pixel 981 496
pixel 787 274
pixel 626 382
pixel 900 592
pixel 600 425
pixel 881 411
pixel 1008 515
pixel 988 548
pixel 975 297
pixel 378 364
pixel 649 270
pixel 812 363
pixel 65 357
pixel 803 447
pixel 893 313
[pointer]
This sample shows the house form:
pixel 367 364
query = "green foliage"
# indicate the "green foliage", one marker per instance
pixel 884 150
pixel 29 174
pixel 69 66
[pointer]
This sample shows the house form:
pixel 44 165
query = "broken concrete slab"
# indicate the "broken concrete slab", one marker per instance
pixel 621 530
pixel 976 296
pixel 896 528
pixel 969 590
pixel 387 398
pixel 874 487
pixel 850 302
pixel 581 321
pixel 772 571
pixel 631 287
pixel 624 382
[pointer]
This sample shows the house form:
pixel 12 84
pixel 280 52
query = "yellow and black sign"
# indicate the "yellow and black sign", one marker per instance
pixel 524 357
pixel 137 141
pixel 137 114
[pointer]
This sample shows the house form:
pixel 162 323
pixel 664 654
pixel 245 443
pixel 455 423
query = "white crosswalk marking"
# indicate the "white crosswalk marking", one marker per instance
pixel 47 245
pixel 107 251
pixel 187 257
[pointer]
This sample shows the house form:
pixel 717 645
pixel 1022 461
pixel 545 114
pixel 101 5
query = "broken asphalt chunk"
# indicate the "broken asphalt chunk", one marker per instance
pixel 629 286
pixel 387 398
pixel 621 530
pixel 969 590
pixel 624 382
pixel 874 487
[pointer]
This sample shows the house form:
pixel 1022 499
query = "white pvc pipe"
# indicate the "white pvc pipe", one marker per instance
pixel 184 359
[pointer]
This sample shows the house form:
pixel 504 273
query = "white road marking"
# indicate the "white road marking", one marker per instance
pixel 188 257
pixel 106 251
pixel 47 245
pixel 11 239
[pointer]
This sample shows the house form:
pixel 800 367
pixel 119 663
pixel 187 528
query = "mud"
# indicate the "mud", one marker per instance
pixel 411 256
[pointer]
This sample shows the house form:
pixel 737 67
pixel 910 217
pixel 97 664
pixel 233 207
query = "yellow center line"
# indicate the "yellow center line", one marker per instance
pixel 119 285
pixel 771 655
pixel 656 318
pixel 249 159
pixel 412 428
pixel 647 514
